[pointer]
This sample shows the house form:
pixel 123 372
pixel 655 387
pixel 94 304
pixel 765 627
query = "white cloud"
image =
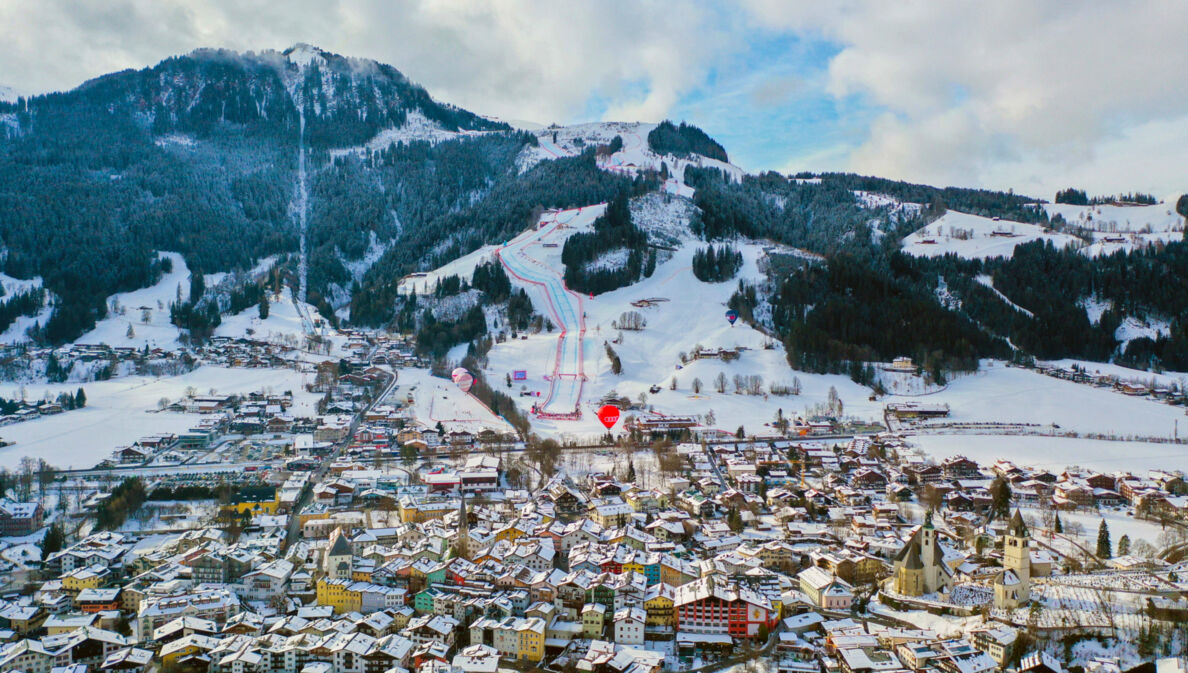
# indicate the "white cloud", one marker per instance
pixel 1010 93
pixel 522 59
pixel 1006 93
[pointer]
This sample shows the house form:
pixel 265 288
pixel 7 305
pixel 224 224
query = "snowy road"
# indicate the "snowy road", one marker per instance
pixel 564 309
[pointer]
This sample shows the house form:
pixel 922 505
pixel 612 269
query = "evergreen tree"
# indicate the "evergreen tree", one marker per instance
pixel 53 369
pixel 1058 526
pixel 1124 545
pixel 264 306
pixel 1103 541
pixel 53 541
pixel 734 519
pixel 1000 494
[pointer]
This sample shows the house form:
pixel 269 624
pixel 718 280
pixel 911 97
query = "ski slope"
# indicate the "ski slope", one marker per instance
pixel 522 257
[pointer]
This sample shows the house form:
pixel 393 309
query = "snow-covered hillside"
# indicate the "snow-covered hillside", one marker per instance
pixel 417 127
pixel 681 314
pixel 8 94
pixel 1120 227
pixel 284 326
pixel 562 141
pixel 463 267
pixel 142 316
pixel 1113 228
pixel 17 331
pixel 975 237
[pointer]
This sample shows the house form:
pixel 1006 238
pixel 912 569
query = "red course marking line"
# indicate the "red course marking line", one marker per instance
pixel 553 309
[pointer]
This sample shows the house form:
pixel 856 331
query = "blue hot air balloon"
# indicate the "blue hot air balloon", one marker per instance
pixel 732 315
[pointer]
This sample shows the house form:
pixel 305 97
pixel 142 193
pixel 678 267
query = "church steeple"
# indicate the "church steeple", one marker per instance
pixel 462 543
pixel 1016 527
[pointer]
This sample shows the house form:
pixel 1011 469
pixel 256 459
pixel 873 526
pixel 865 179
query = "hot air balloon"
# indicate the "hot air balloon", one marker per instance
pixel 732 315
pixel 463 379
pixel 608 416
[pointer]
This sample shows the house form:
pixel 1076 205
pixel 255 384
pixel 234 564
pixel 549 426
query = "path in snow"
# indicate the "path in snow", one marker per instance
pixel 986 280
pixel 565 310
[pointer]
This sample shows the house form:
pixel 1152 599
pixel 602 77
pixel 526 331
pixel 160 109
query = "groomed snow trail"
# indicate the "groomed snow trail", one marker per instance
pixel 564 310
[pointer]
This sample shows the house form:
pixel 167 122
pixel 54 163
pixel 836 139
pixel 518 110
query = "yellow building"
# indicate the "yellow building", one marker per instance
pixel 511 532
pixel 634 565
pixel 659 606
pixel 401 617
pixel 418 511
pixel 675 575
pixel 91 577
pixel 532 639
pixel 339 595
pixel 305 517
pixel 187 646
pixel 255 505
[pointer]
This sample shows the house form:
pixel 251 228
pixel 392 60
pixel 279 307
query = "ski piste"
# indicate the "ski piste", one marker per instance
pixel 565 309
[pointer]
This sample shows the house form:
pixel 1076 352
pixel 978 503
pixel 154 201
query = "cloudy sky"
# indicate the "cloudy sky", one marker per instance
pixel 1020 94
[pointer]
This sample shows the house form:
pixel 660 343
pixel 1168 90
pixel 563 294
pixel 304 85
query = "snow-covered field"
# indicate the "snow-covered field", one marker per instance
pixel 1058 452
pixel 1124 373
pixel 283 326
pixel 1117 520
pixel 141 316
pixel 118 412
pixel 975 237
pixel 437 400
pixel 998 393
pixel 1123 227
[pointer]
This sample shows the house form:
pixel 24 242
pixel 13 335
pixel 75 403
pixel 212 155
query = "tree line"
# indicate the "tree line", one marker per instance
pixel 716 264
pixel 613 231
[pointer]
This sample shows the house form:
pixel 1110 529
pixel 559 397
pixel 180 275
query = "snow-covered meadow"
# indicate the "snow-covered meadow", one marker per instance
pixel 122 410
pixel 975 237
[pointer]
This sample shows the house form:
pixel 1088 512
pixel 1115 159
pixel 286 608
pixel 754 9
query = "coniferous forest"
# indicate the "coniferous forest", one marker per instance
pixel 198 155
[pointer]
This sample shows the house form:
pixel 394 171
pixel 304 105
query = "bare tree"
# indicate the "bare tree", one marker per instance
pixel 754 384
pixel 696 386
pixel 720 382
pixel 632 320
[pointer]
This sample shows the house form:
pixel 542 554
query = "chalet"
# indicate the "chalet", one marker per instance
pixel 128 455
pixel 20 518
pixel 960 467
pixel 210 404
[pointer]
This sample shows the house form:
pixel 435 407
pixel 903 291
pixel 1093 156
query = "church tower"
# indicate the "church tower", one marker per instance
pixel 1012 588
pixel 339 557
pixel 462 542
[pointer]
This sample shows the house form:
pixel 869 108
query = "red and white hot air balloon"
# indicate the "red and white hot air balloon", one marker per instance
pixel 463 379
